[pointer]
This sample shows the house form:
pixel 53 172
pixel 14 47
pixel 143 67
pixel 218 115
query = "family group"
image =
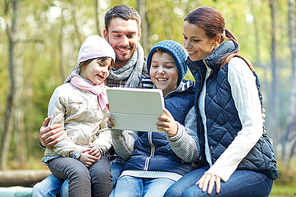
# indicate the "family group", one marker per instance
pixel 213 142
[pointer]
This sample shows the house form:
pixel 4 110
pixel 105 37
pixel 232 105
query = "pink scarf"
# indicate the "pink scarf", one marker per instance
pixel 82 84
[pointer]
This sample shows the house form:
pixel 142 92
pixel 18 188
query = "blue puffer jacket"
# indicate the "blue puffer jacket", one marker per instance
pixel 223 122
pixel 152 149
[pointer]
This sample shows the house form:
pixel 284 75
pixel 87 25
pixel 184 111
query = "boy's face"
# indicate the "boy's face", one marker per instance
pixel 123 36
pixel 96 71
pixel 164 72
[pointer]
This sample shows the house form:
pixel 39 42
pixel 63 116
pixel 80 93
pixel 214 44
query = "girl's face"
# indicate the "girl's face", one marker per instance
pixel 164 72
pixel 197 43
pixel 96 71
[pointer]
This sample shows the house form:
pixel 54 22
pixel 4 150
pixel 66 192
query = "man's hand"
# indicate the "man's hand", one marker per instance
pixel 209 179
pixel 49 134
pixel 167 123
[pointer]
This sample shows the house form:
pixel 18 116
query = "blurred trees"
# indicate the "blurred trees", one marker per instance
pixel 11 94
pixel 46 36
pixel 290 138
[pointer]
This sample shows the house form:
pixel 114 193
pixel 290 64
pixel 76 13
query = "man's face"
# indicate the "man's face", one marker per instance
pixel 123 36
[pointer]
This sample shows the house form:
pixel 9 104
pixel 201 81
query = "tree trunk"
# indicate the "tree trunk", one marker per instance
pixel 22 177
pixel 290 139
pixel 274 97
pixel 141 7
pixel 19 131
pixel 99 18
pixel 257 39
pixel 61 49
pixel 77 27
pixel 12 81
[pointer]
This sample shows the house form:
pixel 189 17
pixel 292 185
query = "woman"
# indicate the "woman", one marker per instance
pixel 236 158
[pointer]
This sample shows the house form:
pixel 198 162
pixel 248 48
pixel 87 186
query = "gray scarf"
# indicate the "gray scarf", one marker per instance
pixel 131 70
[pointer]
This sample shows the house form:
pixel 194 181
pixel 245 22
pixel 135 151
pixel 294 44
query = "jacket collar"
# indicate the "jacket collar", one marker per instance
pixel 183 86
pixel 222 49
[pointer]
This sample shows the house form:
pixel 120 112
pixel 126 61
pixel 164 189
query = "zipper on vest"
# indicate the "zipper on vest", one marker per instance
pixel 152 151
pixel 208 144
pixel 201 81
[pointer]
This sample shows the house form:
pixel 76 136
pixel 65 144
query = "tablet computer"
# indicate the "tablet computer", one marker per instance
pixel 135 109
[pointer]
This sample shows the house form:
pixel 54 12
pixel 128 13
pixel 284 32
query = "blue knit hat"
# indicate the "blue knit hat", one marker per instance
pixel 176 51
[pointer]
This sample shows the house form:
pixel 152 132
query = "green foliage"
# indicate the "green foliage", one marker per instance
pixel 283 191
pixel 285 185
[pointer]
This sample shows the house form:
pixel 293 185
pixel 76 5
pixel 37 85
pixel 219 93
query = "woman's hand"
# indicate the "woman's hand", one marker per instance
pixel 49 134
pixel 263 115
pixel 109 121
pixel 209 179
pixel 87 159
pixel 167 123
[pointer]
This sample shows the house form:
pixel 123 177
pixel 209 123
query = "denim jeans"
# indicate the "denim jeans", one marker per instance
pixel 242 183
pixel 49 187
pixel 116 172
pixel 52 186
pixel 128 186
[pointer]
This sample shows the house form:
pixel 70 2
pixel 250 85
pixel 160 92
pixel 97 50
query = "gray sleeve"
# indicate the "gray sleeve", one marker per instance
pixel 123 142
pixel 185 143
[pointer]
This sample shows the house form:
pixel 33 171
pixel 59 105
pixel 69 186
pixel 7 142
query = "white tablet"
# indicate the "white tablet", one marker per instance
pixel 135 109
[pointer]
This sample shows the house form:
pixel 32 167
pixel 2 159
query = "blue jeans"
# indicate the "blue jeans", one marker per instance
pixel 52 186
pixel 243 183
pixel 115 172
pixel 49 187
pixel 128 186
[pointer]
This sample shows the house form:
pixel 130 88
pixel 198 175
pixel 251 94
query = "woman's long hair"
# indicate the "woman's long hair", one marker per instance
pixel 212 21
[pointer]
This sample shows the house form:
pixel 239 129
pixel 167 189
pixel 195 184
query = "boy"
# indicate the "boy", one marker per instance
pixel 155 160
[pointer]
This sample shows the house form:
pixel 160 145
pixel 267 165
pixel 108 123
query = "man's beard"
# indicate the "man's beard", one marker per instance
pixel 120 61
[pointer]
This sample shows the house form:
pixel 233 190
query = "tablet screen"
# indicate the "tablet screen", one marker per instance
pixel 135 109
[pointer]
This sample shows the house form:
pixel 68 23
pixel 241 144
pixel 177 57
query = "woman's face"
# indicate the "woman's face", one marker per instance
pixel 196 42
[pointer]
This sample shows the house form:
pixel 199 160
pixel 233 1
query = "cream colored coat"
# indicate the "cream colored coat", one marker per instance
pixel 85 123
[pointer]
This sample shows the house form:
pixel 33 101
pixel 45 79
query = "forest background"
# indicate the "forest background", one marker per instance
pixel 40 40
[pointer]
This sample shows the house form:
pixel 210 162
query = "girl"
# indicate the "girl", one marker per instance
pixel 236 158
pixel 155 160
pixel 80 106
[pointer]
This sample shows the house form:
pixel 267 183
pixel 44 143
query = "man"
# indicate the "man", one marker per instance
pixel 122 31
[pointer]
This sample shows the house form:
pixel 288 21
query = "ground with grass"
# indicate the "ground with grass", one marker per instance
pixel 285 185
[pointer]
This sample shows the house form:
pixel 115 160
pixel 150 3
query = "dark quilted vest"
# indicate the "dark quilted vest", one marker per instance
pixel 163 158
pixel 223 122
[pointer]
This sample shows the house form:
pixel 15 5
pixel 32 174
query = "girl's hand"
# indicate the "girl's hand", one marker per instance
pixel 94 151
pixel 167 123
pixel 209 179
pixel 87 159
pixel 109 121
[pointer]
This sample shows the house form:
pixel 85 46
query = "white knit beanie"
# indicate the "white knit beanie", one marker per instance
pixel 95 46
